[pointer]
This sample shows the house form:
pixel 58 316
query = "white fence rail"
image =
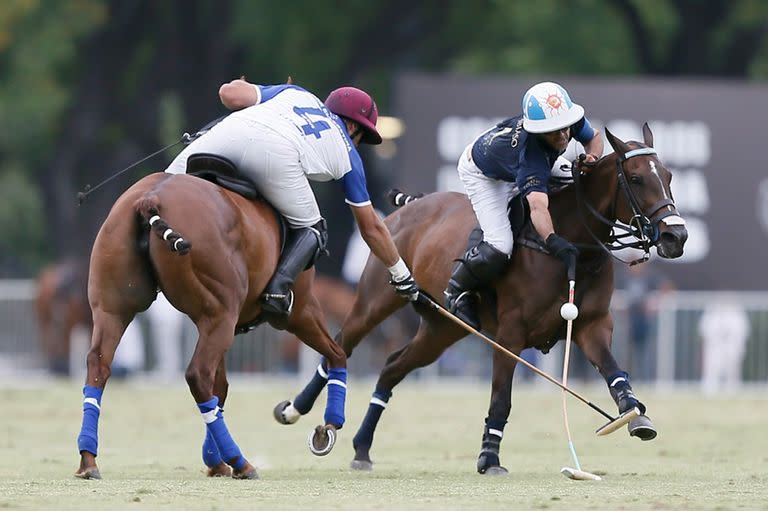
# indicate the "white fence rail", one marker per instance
pixel 674 350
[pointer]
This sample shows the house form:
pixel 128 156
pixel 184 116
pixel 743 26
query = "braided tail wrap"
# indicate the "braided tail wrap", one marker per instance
pixel 149 209
pixel 399 198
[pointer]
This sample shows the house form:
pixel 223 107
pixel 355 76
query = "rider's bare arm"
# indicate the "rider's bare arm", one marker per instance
pixel 375 234
pixel 542 221
pixel 594 148
pixel 238 94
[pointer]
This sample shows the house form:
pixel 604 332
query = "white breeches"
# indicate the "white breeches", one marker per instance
pixel 490 198
pixel 270 160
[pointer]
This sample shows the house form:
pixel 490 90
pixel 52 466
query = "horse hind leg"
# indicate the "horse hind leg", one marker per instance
pixel 489 462
pixel 430 342
pixel 216 336
pixel 107 331
pixel 212 458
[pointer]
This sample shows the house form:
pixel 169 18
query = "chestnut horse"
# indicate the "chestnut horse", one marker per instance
pixel 61 304
pixel 212 254
pixel 630 185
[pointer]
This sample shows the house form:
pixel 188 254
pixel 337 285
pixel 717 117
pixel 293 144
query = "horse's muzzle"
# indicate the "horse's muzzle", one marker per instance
pixel 671 241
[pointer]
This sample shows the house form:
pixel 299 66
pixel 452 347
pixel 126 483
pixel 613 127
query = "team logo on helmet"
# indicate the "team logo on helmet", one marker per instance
pixel 554 101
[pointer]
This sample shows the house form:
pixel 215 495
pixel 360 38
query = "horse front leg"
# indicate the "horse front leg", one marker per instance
pixel 369 310
pixel 594 339
pixel 217 467
pixel 107 331
pixel 489 462
pixel 308 324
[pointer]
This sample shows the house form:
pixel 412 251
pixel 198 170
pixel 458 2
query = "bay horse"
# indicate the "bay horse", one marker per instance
pixel 630 185
pixel 212 253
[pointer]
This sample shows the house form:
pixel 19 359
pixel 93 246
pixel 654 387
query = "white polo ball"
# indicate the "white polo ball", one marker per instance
pixel 569 311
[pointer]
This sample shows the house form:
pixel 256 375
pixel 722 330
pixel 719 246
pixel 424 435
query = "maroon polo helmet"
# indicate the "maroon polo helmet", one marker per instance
pixel 356 105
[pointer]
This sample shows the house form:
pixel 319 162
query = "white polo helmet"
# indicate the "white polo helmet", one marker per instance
pixel 547 107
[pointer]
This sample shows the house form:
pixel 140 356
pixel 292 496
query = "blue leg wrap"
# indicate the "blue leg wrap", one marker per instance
pixel 337 394
pixel 211 454
pixel 307 397
pixel 214 421
pixel 379 400
pixel 88 440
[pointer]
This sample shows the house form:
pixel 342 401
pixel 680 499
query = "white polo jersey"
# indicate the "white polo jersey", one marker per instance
pixel 297 117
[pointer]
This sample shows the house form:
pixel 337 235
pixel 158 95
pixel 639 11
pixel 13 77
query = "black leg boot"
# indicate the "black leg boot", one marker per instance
pixel 302 249
pixel 481 264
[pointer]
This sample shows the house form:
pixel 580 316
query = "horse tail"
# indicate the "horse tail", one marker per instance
pixel 399 198
pixel 148 207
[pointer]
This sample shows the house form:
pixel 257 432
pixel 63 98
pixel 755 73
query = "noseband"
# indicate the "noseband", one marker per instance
pixel 643 231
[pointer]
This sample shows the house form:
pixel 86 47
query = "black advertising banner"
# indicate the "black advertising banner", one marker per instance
pixel 709 134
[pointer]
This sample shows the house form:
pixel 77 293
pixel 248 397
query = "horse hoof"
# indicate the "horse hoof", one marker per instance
pixel 321 440
pixel 285 413
pixel 642 428
pixel 496 471
pixel 88 473
pixel 248 472
pixel 361 465
pixel 220 470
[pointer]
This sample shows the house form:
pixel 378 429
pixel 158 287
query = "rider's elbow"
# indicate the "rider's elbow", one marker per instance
pixel 237 95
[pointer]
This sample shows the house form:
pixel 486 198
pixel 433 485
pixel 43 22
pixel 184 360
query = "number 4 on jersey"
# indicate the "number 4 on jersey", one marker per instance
pixel 312 128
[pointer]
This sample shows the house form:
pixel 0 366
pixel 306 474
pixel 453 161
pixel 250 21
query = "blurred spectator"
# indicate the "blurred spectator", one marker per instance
pixel 724 329
pixel 166 329
pixel 640 282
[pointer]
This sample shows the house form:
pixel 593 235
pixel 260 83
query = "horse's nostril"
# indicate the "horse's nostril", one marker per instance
pixel 669 238
pixel 673 237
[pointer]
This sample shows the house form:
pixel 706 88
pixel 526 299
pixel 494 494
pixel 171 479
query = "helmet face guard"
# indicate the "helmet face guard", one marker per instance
pixel 547 107
pixel 358 106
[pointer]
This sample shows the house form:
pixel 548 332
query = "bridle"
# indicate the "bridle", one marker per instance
pixel 643 227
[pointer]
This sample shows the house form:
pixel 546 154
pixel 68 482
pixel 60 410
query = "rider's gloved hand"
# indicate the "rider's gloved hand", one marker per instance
pixel 561 248
pixel 403 282
pixel 406 288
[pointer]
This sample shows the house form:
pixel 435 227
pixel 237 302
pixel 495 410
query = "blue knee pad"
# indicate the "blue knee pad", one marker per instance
pixel 88 440
pixel 337 393
pixel 214 422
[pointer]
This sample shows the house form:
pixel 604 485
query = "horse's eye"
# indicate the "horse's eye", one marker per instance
pixel 635 179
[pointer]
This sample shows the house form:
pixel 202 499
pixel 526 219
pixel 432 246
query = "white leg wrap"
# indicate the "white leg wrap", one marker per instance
pixel 379 402
pixel 210 416
pixel 291 414
pixel 496 432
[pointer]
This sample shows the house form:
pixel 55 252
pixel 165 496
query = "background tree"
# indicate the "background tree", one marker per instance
pixel 89 86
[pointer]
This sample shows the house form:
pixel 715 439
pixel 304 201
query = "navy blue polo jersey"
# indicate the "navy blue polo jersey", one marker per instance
pixel 509 153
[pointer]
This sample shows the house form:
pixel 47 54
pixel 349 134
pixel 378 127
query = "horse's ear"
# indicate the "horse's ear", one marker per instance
pixel 618 146
pixel 647 135
pixel 289 81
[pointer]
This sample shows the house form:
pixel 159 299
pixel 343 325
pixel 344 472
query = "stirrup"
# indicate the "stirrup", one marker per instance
pixel 455 304
pixel 270 306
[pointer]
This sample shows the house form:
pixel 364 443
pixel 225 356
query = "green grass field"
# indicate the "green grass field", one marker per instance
pixel 710 454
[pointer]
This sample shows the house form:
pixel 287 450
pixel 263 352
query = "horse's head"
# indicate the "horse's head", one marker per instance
pixel 647 205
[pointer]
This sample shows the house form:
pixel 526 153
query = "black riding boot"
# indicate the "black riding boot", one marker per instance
pixel 476 269
pixel 302 249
